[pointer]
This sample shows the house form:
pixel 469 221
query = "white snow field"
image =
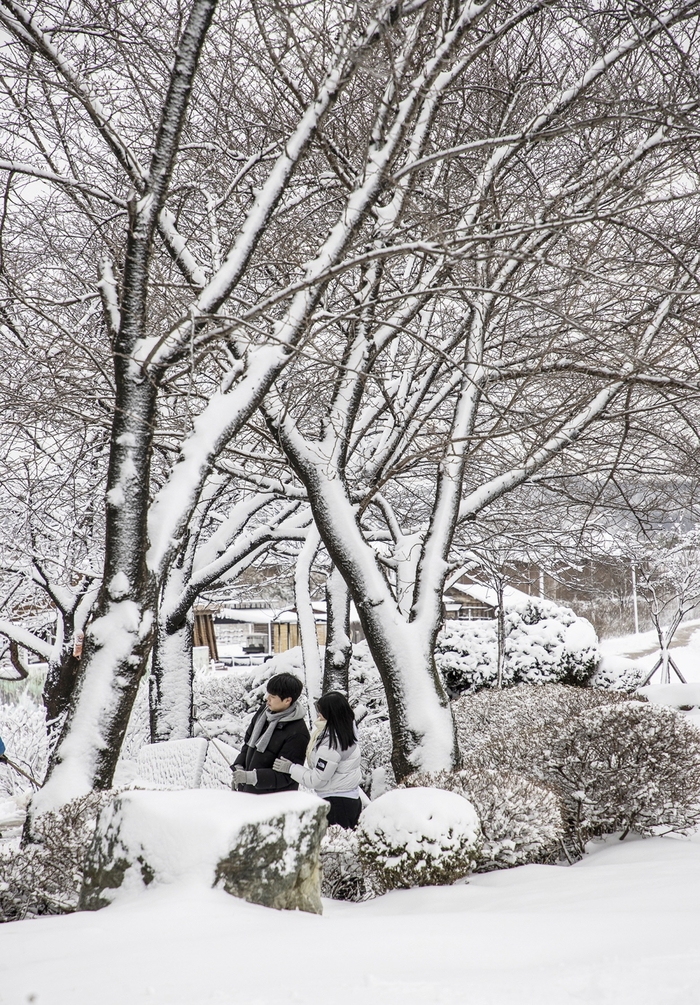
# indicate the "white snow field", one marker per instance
pixel 622 926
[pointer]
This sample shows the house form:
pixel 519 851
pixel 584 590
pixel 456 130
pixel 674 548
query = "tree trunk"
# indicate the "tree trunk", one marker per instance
pixel 58 688
pixel 305 616
pixel 336 665
pixel 422 727
pixel 170 684
pixel 118 641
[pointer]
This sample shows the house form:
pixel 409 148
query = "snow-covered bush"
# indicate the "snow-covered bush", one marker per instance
pixel 368 699
pixel 628 767
pixel 617 673
pixel 544 643
pixel 366 690
pixel 465 655
pixel 45 877
pixel 343 878
pixel 418 837
pixel 512 730
pixel 521 820
pixel 23 730
pixel 375 752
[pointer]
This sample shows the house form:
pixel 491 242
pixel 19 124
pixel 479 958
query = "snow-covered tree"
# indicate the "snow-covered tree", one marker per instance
pixel 668 574
pixel 471 364
pixel 382 222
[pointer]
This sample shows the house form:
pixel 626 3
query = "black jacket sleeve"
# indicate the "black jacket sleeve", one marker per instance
pixel 294 750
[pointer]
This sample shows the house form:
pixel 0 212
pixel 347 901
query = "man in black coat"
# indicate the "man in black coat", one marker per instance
pixel 276 730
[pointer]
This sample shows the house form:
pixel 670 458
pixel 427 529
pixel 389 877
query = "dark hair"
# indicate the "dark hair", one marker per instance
pixel 340 719
pixel 285 685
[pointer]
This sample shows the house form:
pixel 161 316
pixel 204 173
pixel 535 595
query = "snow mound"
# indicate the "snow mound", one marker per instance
pixel 674 695
pixel 418 837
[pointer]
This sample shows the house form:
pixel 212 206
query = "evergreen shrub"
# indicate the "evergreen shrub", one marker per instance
pixel 418 837
pixel 544 643
pixel 627 767
pixel 521 819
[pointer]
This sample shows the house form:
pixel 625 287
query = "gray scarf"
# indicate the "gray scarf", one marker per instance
pixel 261 736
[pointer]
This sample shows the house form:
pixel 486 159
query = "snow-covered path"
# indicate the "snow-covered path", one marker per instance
pixel 623 926
pixel 642 651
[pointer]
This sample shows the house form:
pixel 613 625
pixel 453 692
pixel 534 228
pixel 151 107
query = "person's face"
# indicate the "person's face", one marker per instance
pixel 319 714
pixel 277 704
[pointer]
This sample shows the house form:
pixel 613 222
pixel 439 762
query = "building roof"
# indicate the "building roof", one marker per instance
pixel 487 595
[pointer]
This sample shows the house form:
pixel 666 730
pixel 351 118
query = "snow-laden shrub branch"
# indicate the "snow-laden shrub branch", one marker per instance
pixel 521 819
pixel 343 876
pixel 628 767
pixel 544 643
pixel 23 730
pixel 45 877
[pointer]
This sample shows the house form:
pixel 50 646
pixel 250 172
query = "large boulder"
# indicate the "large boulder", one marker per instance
pixel 264 849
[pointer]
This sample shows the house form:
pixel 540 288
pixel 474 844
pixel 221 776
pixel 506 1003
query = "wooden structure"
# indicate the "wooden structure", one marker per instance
pixel 459 604
pixel 204 634
pixel 285 635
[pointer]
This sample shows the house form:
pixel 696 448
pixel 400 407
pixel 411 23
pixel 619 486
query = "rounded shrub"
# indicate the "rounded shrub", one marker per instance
pixel 626 767
pixel 418 837
pixel 514 729
pixel 544 643
pixel 521 819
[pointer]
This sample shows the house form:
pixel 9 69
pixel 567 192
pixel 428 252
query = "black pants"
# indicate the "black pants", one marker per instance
pixel 344 812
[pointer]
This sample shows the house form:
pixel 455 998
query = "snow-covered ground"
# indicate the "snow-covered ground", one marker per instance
pixel 622 926
pixel 643 649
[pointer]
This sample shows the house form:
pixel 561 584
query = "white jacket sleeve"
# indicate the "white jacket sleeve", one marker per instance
pixel 326 764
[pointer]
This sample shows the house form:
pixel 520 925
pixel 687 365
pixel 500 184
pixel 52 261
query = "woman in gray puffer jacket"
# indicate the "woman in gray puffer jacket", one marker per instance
pixel 332 768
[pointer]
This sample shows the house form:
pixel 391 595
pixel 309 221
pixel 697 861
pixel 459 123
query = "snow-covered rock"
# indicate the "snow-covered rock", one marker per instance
pixel 264 849
pixel 418 837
